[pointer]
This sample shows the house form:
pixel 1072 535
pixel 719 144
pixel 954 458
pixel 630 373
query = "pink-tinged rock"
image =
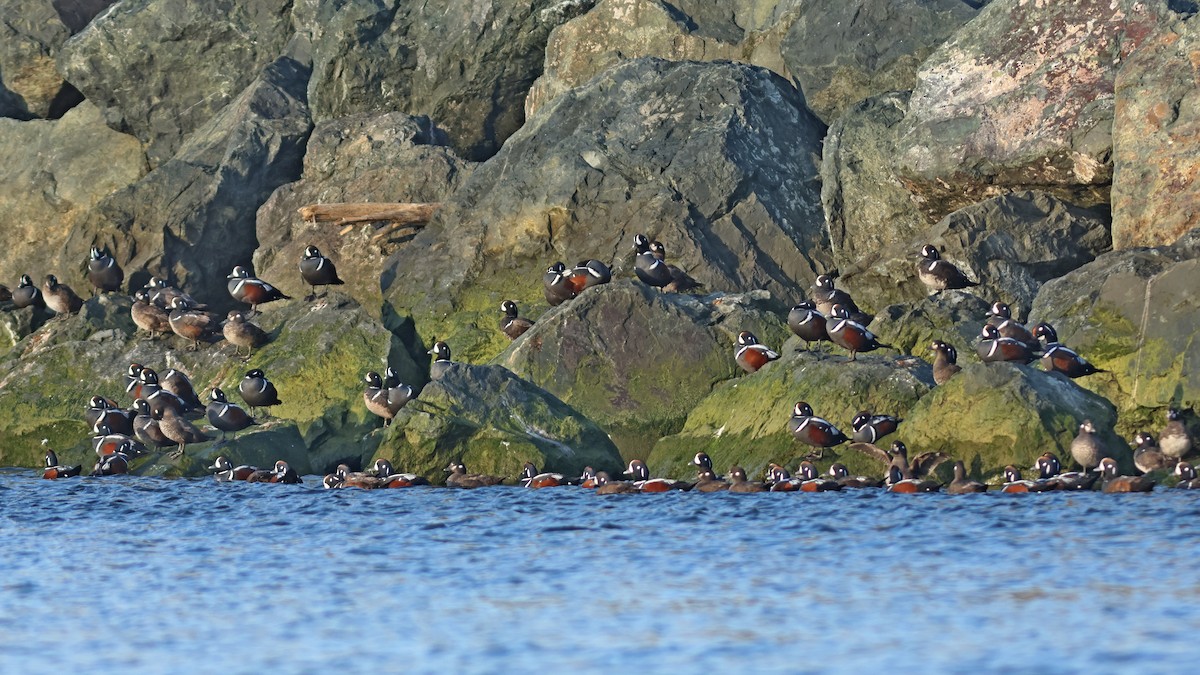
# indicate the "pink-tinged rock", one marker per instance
pixel 1156 134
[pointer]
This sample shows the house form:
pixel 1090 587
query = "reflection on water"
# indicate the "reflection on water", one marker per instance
pixel 133 574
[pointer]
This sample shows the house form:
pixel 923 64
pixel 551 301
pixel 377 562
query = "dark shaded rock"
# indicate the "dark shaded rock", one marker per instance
pixel 494 422
pixel 187 61
pixel 467 65
pixel 994 414
pixel 1135 313
pixel 316 359
pixel 362 158
pixel 77 14
pixel 31 33
pixel 192 219
pixel 635 360
pixel 1010 244
pixel 53 173
pixel 745 421
pixel 840 52
pixel 1021 98
pixel 954 317
pixel 1155 195
pixel 713 159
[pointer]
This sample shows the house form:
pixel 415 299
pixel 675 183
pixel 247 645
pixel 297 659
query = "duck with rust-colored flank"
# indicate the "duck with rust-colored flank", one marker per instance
pixel 512 325
pixel 317 270
pixel 149 317
pixel 1057 358
pixel 226 471
pixel 1174 438
pixel 105 442
pixel 940 275
pixel 812 430
pixel 532 478
pixel 241 333
pixel 175 427
pixel 192 324
pixel 60 297
pixel 681 282
pixel 1111 481
pixel 280 473
pixel 605 485
pixel 103 272
pixel 145 427
pixel 163 295
pixel 750 355
pixel 779 479
pixel 851 335
pixel 808 324
pixel 825 296
pixel 460 478
pixel 252 290
pixel 587 479
pixel 1049 470
pixel 839 473
pixel 945 361
pixel 587 274
pixel 26 294
pixel 257 391
pixel 1013 482
pixel 226 416
pixel 739 484
pixel 133 381
pixel 811 481
pixel 1187 477
pixel 962 485
pixel 101 409
pixel 644 483
pixel 870 428
pixel 896 482
pixel 390 478
pixel 993 348
pixel 114 464
pixel 556 286
pixel 158 397
pixel 54 470
pixel 1000 316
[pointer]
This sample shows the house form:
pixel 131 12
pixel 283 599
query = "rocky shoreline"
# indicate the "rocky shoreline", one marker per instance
pixel 1044 149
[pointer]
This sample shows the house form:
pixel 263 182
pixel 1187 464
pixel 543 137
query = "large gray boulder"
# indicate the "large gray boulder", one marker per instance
pixel 841 52
pixel 1022 98
pixel 391 157
pixel 716 160
pixel 465 64
pixel 31 33
pixel 160 69
pixel 192 219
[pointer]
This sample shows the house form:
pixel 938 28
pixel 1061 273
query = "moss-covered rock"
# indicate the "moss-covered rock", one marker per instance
pixel 744 421
pixel 636 360
pixel 955 317
pixel 494 422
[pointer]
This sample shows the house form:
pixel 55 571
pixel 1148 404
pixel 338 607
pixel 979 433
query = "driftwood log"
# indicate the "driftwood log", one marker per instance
pixel 398 215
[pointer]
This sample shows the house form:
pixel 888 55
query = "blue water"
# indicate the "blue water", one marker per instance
pixel 134 574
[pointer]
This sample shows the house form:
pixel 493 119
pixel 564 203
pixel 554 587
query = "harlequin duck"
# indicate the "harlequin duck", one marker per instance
pixel 192 324
pixel 147 316
pixel 54 470
pixel 1146 455
pixel 385 401
pixel 1087 448
pixel 156 396
pixel 26 294
pixel 702 460
pixel 1174 439
pixel 962 485
pixel 145 427
pixel 356 479
pixel 163 295
pixel 104 272
pixel 532 478
pixel 1000 316
pixel 825 296
pixel 945 361
pixel 1111 482
pixel 460 478
pixel 241 333
pixel 226 471
pixel 257 391
pixel 810 481
pixel 177 382
pixel 779 479
pixel 252 290
pixel 812 430
pixel 993 348
pixel 707 481
pixel 1048 468
pixel 738 482
pixel 750 355
pixel 1187 477
pixel 1014 483
pixel 101 409
pixel 317 270
pixel 178 429
pixel 106 442
pixel 841 474
pixel 896 482
pixel 849 334
pixel 648 268
pixel 60 297
pixel 870 428
pixel 392 479
pixel 556 286
pixel 512 325
pixel 332 482
pixel 939 275
pixel 587 479
pixel 1058 358
pixel 807 324
pixel 588 273
pixel 441 360
pixel 115 464
pixel 681 282
pixel 282 473
pixel 921 465
pixel 226 416
pixel 607 486
pixel 644 483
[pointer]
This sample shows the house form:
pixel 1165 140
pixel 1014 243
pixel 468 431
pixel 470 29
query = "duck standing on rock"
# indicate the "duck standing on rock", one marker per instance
pixel 945 362
pixel 241 333
pixel 252 290
pixel 104 272
pixel 993 348
pixel 512 325
pixel 175 427
pixel 147 316
pixel 1058 358
pixel 1087 448
pixel 317 270
pixel 812 430
pixel 192 324
pixel 226 416
pixel 1147 456
pixel 750 355
pixel 681 282
pixel 851 335
pixel 385 401
pixel 556 286
pixel 940 275
pixel 26 294
pixel 870 428
pixel 60 297
pixel 441 360
pixel 807 324
pixel 1174 438
pixel 648 268
pixel 1000 316
pixel 257 391
pixel 145 427
pixel 824 296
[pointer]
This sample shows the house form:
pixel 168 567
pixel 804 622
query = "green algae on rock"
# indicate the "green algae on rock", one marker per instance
pixel 955 317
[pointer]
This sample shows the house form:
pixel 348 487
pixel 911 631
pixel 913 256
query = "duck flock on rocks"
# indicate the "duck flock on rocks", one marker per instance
pixel 165 407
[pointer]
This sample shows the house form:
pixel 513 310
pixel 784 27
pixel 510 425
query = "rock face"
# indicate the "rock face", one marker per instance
pixel 745 421
pixel 192 219
pixel 188 60
pixel 1010 244
pixel 840 53
pixel 53 172
pixel 955 317
pixel 316 360
pixel 1021 97
pixel 1134 313
pixel 465 64
pixel 713 159
pixel 362 158
pixel 1155 197
pixel 30 35
pixel 636 360
pixel 493 421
